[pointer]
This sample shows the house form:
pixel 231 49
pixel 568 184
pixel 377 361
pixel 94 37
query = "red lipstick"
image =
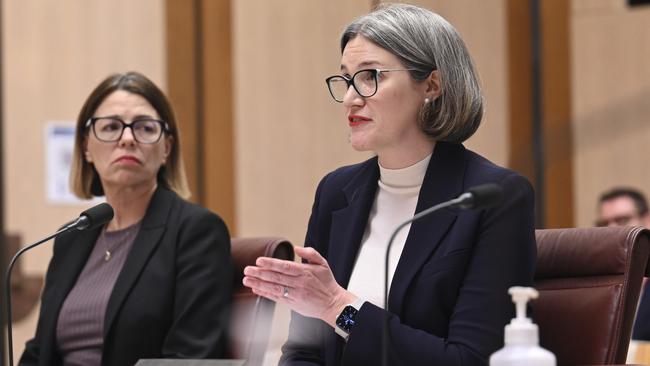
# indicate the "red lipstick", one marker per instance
pixel 356 120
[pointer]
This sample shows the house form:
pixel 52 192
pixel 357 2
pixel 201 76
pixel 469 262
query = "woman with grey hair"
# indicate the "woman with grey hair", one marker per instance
pixel 411 96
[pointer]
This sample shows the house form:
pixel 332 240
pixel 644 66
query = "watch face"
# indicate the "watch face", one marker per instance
pixel 346 319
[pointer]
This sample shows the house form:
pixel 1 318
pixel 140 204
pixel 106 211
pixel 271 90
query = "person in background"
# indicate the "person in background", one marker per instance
pixel 410 95
pixel 624 206
pixel 155 281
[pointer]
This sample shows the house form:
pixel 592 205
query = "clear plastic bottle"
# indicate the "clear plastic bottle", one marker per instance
pixel 522 336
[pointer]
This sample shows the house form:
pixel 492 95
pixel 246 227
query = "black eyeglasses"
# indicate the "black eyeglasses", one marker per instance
pixel 144 130
pixel 365 83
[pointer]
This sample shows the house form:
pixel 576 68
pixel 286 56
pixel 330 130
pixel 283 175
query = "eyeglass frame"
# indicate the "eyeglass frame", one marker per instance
pixel 350 81
pixel 165 128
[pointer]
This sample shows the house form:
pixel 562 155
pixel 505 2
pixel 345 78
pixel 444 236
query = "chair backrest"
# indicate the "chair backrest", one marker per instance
pixel 252 315
pixel 589 281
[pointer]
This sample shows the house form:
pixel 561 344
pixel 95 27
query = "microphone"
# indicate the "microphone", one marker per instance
pixel 89 219
pixel 476 198
pixel 92 218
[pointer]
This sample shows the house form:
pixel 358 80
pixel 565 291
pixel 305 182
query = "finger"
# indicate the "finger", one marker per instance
pixel 286 267
pixel 263 286
pixel 274 295
pixel 310 254
pixel 271 276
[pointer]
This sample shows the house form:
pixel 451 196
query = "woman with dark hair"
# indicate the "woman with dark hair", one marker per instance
pixel 411 96
pixel 155 281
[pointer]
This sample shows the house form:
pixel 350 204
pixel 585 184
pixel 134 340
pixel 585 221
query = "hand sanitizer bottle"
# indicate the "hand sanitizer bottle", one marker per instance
pixel 522 336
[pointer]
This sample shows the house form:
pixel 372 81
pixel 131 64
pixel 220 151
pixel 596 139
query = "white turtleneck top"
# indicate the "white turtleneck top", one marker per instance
pixel 395 201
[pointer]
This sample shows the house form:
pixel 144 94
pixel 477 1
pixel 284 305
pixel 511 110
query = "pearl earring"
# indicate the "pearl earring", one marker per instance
pixel 427 101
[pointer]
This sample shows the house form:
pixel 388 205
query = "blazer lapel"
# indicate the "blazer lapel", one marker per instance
pixel 151 231
pixel 350 222
pixel 443 181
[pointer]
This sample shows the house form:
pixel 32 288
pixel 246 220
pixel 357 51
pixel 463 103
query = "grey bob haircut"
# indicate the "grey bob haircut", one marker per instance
pixel 425 41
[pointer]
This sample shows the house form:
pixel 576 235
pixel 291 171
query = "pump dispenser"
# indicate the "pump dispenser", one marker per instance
pixel 522 336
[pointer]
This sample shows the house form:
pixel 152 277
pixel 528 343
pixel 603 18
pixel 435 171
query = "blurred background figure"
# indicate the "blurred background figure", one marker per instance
pixel 623 206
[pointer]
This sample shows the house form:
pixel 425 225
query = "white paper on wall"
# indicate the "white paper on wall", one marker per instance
pixel 59 142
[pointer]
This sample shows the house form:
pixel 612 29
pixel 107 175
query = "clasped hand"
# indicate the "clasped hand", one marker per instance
pixel 307 288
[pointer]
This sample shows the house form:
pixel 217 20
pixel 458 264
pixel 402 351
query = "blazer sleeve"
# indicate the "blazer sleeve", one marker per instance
pixel 204 273
pixel 503 256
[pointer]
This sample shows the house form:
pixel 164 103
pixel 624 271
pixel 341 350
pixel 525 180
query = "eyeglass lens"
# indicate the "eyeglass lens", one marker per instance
pixel 364 81
pixel 111 129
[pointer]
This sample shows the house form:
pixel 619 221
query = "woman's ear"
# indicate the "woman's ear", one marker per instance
pixel 169 143
pixel 434 86
pixel 87 156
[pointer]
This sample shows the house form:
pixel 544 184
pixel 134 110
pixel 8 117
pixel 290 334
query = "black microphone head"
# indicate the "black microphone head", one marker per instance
pixel 484 196
pixel 96 216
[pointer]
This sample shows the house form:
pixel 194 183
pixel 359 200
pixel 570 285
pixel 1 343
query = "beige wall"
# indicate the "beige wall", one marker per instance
pixel 55 52
pixel 610 100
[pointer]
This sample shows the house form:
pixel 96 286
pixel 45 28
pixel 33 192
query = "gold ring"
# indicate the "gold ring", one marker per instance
pixel 285 292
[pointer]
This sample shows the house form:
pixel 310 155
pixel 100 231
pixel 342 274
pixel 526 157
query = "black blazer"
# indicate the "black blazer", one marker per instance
pixel 171 299
pixel 448 300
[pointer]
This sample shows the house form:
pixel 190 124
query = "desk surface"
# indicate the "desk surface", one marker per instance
pixel 168 362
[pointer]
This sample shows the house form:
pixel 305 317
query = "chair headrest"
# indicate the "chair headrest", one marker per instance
pixel 585 251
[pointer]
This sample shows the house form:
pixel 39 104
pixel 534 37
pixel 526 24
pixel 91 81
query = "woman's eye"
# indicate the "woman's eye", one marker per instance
pixel 368 76
pixel 111 126
pixel 146 126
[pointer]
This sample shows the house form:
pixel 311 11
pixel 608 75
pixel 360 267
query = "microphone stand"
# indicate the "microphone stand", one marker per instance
pixel 8 286
pixel 91 218
pixel 460 200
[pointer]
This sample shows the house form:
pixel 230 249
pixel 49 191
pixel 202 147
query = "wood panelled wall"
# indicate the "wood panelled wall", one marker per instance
pixel 540 105
pixel 199 72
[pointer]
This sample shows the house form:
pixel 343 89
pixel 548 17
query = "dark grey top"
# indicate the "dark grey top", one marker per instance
pixel 80 327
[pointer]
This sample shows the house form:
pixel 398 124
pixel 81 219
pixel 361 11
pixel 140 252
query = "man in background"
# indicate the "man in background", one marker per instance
pixel 622 206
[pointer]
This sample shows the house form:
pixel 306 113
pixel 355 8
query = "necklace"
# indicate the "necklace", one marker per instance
pixel 117 241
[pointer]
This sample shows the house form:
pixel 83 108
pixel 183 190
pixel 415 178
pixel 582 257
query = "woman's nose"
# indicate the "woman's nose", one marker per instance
pixel 127 136
pixel 351 97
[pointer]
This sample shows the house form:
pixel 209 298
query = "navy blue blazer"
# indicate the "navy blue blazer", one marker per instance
pixel 448 301
pixel 171 299
pixel 642 322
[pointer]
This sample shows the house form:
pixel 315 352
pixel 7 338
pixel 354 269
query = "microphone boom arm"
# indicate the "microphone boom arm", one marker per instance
pixel 8 286
pixel 460 200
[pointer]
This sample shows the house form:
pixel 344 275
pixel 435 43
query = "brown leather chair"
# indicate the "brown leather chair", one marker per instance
pixel 252 315
pixel 589 281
